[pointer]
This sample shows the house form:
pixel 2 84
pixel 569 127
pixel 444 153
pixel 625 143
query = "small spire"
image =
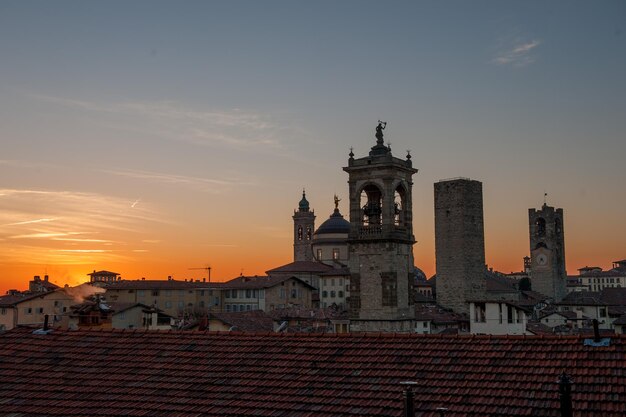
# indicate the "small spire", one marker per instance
pixel 351 154
pixel 408 154
pixel 304 203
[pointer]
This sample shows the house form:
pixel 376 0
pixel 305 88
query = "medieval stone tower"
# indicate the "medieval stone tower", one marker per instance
pixel 381 240
pixel 303 228
pixel 459 243
pixel 547 252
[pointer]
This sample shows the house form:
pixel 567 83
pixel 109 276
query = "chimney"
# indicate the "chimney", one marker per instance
pixel 565 395
pixel 596 331
pixel 45 278
pixel 409 398
pixel 169 277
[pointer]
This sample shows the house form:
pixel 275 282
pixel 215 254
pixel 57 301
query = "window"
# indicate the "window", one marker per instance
pixel 168 304
pixel 479 312
pixel 39 310
pixel 131 291
pixel 140 293
pixel 335 254
pixel 3 311
pixel 228 308
pixel 603 312
pixel 57 303
pixel 28 310
pixel 155 293
pixel 248 307
pixel 233 293
pixel 262 293
pixel 340 294
pixel 340 281
pixel 181 305
pixel 425 324
pixel 294 293
pixel 241 307
pixel 500 312
pixel 509 312
pixel 332 294
pixel 248 293
pixel 332 282
pixel 324 294
pixel 121 315
pixel 202 303
pixel 319 254
pixel 201 293
pixel 282 293
pixel 389 290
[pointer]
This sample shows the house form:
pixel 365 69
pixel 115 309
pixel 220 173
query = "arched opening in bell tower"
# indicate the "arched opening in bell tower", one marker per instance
pixel 540 225
pixel 371 206
pixel 399 209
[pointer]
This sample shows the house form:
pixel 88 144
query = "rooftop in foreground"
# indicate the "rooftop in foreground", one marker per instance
pixel 227 374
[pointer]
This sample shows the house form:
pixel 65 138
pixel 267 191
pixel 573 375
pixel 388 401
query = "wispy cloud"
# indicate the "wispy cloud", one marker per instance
pixel 233 128
pixel 65 227
pixel 204 184
pixel 29 221
pixel 518 54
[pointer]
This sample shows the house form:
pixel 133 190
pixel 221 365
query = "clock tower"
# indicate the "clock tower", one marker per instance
pixel 547 252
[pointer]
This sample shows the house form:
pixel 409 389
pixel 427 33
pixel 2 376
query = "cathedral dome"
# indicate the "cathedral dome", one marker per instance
pixel 335 224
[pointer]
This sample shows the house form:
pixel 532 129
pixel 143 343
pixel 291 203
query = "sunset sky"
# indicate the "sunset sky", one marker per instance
pixel 150 137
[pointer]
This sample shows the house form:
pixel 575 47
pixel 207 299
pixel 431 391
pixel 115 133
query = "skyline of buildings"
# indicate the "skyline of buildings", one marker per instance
pixel 150 151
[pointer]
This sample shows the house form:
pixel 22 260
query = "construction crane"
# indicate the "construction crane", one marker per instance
pixel 206 268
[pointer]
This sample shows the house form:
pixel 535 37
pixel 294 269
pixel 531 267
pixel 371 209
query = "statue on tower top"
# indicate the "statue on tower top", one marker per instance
pixel 379 131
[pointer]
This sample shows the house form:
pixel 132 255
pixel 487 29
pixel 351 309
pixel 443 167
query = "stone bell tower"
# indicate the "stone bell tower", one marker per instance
pixel 381 240
pixel 303 228
pixel 547 252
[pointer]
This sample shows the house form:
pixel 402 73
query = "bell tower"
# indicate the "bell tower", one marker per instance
pixel 547 252
pixel 303 228
pixel 381 240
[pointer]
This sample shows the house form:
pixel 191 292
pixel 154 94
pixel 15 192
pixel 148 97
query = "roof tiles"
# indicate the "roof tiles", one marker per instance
pixel 235 374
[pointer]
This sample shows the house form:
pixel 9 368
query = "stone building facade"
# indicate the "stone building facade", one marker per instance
pixel 459 243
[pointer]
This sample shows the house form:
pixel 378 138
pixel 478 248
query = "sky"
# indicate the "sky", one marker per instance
pixel 151 137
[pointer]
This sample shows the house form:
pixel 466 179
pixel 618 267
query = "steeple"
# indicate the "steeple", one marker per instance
pixel 304 203
pixel 303 227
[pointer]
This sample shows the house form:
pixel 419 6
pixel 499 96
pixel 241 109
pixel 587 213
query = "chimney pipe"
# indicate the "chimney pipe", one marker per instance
pixel 596 331
pixel 409 398
pixel 565 395
pixel 45 322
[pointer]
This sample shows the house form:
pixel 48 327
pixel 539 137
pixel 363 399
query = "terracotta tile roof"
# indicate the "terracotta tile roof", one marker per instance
pixel 103 272
pixel 159 284
pixel 301 266
pixel 328 313
pixel 122 373
pixel 437 314
pixel 343 270
pixel 258 282
pixel 247 321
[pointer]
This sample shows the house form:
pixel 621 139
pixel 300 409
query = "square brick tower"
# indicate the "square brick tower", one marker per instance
pixel 547 252
pixel 459 243
pixel 381 240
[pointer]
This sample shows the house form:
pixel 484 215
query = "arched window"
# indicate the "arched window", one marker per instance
pixel 557 226
pixel 299 232
pixel 371 206
pixel 540 225
pixel 399 206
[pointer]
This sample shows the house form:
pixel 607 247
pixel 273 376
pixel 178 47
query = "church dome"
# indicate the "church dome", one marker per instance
pixel 335 224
